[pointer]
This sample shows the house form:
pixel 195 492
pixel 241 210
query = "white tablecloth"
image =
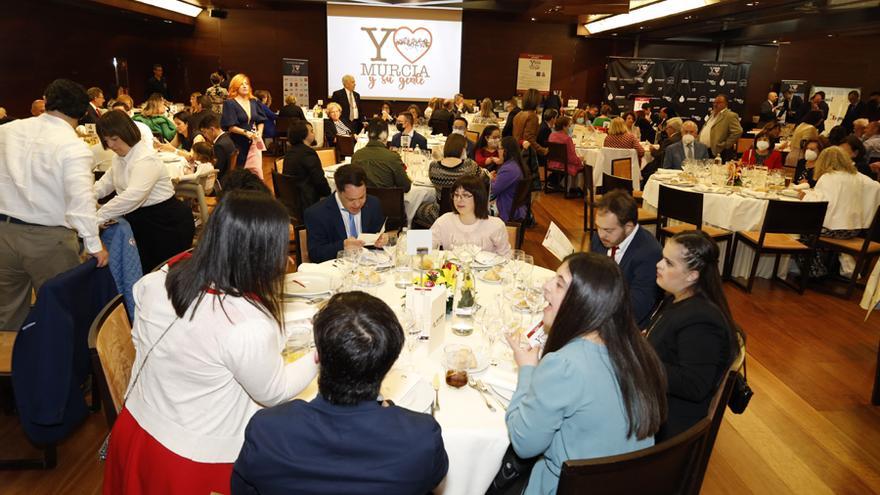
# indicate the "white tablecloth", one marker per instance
pixel 418 194
pixel 735 213
pixel 475 438
pixel 593 157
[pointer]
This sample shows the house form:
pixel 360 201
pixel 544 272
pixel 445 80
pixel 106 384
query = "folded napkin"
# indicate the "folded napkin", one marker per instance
pixel 799 187
pixel 501 380
pixel 298 312
pixel 397 385
pixel 323 268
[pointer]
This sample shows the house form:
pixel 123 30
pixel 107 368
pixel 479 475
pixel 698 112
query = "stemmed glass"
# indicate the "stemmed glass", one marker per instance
pixel 346 260
pixel 412 332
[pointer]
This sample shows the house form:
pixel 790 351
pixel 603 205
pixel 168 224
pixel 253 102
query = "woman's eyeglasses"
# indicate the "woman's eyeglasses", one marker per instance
pixel 463 196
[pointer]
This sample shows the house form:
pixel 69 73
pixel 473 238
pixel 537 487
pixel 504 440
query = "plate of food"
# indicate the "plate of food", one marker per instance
pixel 368 278
pixel 455 355
pixel 491 276
pixel 307 284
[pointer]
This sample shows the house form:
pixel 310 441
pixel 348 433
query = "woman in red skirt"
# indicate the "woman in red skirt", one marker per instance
pixel 208 332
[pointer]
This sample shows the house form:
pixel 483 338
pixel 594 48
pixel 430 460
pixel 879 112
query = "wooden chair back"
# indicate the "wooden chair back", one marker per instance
pixel 302 244
pixel 622 167
pixel 557 152
pixel 665 468
pixel 288 194
pixel 790 217
pixel 7 342
pixel 612 182
pixel 716 414
pixel 279 165
pixel 233 162
pixel 514 234
pixel 445 200
pixel 680 205
pixel 327 156
pixel 473 136
pixel 744 144
pixel 344 146
pixel 391 200
pixel 114 355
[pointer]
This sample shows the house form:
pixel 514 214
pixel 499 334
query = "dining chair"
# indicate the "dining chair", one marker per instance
pixel 611 182
pixel 344 146
pixel 392 203
pixel 282 124
pixel 666 468
pixel 556 152
pixel 514 234
pixel 473 136
pixel 622 167
pixel 302 245
pixel 782 219
pixel 589 198
pixel 287 192
pixel 863 249
pixel 717 408
pixel 233 162
pixel 327 156
pixel 744 144
pixel 279 165
pixel 445 200
pixel 112 355
pixel 687 207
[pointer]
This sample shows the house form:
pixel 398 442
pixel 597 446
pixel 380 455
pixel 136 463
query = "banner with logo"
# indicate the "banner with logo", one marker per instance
pixel 688 86
pixel 533 71
pixel 838 101
pixel 394 53
pixel 295 79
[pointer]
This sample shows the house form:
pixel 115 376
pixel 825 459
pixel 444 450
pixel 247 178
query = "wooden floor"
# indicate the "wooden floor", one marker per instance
pixel 810 429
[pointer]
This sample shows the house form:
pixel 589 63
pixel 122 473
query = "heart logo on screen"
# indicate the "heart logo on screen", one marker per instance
pixel 412 44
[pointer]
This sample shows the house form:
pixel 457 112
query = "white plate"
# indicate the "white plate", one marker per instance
pixel 481 277
pixel 380 258
pixel 306 284
pixel 482 363
pixel 487 259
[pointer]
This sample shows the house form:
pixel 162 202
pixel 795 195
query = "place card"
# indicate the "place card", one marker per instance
pixel 557 242
pixel 419 239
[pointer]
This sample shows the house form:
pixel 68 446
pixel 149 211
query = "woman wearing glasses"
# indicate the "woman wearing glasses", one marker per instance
pixel 469 219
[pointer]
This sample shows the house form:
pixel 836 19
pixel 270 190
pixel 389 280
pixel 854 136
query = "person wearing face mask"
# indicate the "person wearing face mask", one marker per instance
pixel 460 127
pixel 671 134
pixel 803 173
pixel 383 167
pixel 762 153
pixel 689 148
pixel 486 152
pixel 722 129
pixel 444 172
pixel 562 131
pixel 406 136
pixel 581 117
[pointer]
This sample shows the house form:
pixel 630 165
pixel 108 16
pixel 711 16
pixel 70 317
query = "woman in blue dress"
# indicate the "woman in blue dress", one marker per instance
pixel 242 116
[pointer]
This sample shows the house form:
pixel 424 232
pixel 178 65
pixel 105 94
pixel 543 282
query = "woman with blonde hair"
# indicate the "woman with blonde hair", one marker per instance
pixel 153 116
pixel 242 118
pixel 618 137
pixel 487 114
pixel 335 125
pixel 842 186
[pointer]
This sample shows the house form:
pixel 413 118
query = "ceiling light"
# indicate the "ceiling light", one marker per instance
pixel 533 19
pixel 175 6
pixel 649 12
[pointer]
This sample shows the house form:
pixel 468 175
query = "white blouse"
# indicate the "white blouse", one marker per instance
pixel 850 198
pixel 139 179
pixel 489 233
pixel 211 372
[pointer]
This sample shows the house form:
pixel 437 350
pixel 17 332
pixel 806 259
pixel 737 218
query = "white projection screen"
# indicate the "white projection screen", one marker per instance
pixel 394 53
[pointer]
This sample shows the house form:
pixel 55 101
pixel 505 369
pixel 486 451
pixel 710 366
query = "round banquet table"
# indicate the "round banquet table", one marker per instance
pixel 733 212
pixel 474 437
pixel 420 192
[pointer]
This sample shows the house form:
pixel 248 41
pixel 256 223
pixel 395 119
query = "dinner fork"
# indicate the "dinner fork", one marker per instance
pixel 473 384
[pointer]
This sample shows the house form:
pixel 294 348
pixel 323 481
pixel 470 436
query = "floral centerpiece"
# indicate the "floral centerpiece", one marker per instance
pixel 445 276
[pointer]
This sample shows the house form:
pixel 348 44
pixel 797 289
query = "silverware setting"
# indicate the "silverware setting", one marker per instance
pixel 473 384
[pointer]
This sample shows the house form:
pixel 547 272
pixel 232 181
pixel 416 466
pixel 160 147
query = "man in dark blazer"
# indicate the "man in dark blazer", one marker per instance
pixel 405 128
pixel 670 135
pixel 855 110
pixel 93 111
pixel 441 119
pixel 334 223
pixel 512 109
pixel 223 145
pixel 345 97
pixel 769 108
pixel 619 236
pixel 344 440
pixel 688 146
pixel 156 84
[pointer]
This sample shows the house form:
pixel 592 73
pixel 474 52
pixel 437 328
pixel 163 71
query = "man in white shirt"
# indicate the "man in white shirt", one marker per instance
pixel 46 198
pixel 350 101
pixel 619 236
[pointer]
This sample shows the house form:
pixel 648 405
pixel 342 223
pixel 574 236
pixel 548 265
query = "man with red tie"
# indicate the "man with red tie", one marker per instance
pixel 619 236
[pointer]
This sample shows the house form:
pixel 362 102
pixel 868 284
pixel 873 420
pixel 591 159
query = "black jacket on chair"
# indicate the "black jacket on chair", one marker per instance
pixel 302 163
pixel 639 267
pixel 694 341
pixel 50 359
pixel 223 149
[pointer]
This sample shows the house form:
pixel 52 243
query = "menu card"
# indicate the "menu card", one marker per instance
pixel 557 242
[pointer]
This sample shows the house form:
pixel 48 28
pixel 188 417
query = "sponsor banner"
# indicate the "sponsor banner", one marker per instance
pixel 295 79
pixel 533 71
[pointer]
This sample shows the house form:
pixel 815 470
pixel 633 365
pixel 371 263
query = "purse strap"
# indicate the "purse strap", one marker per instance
pixel 144 362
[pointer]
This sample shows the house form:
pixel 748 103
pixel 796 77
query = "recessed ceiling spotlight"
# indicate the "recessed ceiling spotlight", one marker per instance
pixel 750 4
pixel 687 17
pixel 641 27
pixel 533 19
pixel 830 35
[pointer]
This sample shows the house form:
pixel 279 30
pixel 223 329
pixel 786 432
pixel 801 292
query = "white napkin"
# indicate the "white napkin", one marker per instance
pixel 397 385
pixel 799 187
pixel 502 380
pixel 322 268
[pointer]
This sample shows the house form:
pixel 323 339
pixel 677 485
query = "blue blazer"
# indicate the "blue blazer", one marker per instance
pixel 326 231
pixel 675 154
pixel 320 448
pixel 639 267
pixel 50 359
pixel 417 140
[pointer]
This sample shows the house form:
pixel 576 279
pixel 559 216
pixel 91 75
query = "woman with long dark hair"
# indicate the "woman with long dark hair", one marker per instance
pixel 692 331
pixel 513 169
pixel 208 332
pixel 486 150
pixel 595 365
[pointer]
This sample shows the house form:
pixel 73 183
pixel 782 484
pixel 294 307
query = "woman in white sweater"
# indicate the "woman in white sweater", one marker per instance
pixel 208 332
pixel 470 221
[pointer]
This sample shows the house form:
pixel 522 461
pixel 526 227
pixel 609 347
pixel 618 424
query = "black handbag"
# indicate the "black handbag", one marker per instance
pixel 742 393
pixel 512 476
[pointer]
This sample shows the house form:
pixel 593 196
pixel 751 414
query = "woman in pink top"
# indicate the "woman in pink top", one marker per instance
pixel 619 138
pixel 562 134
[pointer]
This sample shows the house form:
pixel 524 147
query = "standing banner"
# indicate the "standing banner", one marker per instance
pixel 837 100
pixel 534 72
pixel 295 79
pixel 688 86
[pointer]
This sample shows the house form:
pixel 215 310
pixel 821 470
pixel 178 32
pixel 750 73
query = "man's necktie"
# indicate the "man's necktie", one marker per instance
pixel 351 106
pixel 614 253
pixel 352 226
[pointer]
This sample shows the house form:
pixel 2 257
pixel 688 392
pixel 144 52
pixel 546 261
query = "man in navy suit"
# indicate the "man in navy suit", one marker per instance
pixel 345 440
pixel 350 101
pixel 334 223
pixel 405 128
pixel 689 147
pixel 619 236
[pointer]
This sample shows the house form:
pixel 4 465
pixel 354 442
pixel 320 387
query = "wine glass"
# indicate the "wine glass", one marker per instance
pixel 412 332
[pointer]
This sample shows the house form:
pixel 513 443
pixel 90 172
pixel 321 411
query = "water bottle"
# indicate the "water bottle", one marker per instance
pixel 405 141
